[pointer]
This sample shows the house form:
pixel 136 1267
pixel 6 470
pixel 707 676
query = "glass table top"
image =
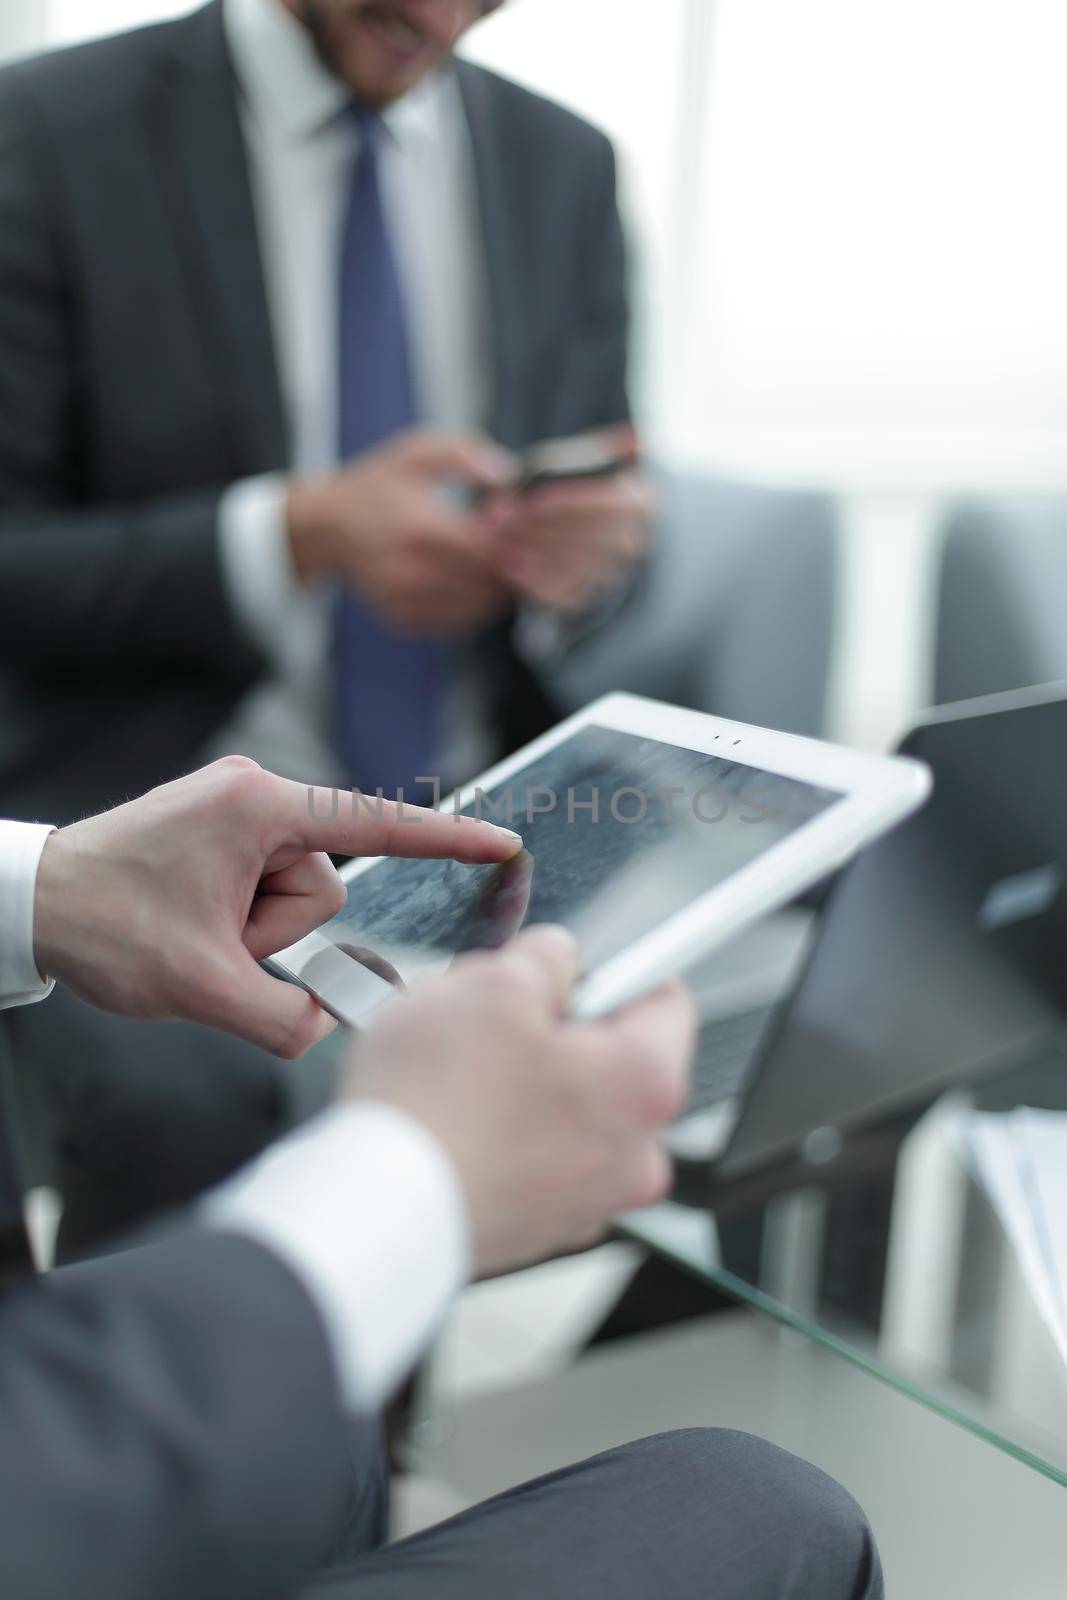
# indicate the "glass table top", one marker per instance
pixel 928 1259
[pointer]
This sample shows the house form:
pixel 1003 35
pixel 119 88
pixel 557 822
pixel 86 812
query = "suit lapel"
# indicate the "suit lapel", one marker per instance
pixel 195 128
pixel 502 242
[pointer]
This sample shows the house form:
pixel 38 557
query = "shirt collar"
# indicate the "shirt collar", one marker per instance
pixel 288 87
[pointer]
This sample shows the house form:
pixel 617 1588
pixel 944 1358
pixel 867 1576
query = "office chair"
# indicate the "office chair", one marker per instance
pixel 1003 582
pixel 734 614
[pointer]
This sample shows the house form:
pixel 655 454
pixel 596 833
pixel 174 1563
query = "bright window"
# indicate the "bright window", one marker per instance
pixel 884 251
pixel 71 20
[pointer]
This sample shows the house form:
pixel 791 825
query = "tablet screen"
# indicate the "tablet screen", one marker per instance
pixel 620 832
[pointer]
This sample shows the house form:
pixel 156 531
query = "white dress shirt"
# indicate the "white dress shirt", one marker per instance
pixel 362 1203
pixel 21 846
pixel 366 1209
pixel 302 149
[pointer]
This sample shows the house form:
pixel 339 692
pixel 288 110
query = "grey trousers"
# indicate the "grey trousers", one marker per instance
pixel 702 1514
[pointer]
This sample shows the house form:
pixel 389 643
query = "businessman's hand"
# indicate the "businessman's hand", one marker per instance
pixel 567 545
pixel 551 1125
pixel 162 908
pixel 385 525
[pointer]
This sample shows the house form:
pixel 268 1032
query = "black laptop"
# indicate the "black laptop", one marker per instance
pixel 940 957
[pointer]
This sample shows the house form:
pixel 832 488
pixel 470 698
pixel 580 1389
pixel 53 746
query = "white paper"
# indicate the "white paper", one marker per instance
pixel 1020 1159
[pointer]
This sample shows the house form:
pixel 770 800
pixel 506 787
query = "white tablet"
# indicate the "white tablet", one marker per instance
pixel 652 833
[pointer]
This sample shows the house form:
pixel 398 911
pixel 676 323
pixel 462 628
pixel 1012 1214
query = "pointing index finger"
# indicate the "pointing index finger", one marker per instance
pixel 345 822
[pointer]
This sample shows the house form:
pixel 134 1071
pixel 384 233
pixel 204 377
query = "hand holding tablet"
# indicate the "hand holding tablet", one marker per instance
pixel 551 1127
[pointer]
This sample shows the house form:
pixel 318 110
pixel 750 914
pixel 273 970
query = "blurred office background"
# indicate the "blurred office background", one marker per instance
pixel 850 252
pixel 850 257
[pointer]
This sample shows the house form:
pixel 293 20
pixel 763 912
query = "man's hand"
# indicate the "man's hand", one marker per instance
pixel 162 908
pixel 551 1125
pixel 566 545
pixel 385 525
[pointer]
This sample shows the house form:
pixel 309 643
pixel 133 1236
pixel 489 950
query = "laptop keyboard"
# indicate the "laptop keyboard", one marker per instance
pixel 726 1049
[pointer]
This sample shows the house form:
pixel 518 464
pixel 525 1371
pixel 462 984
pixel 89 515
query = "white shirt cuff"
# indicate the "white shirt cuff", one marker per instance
pixel 257 562
pixel 365 1208
pixel 21 844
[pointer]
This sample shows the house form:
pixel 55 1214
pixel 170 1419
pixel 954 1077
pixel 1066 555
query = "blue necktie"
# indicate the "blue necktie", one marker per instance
pixel 387 684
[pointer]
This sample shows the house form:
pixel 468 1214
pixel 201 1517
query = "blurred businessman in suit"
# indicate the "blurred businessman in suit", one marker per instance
pixel 273 279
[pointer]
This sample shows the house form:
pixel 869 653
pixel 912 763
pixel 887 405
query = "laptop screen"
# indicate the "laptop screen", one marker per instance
pixel 942 953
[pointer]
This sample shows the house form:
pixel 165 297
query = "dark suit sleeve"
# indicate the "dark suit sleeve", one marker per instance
pixel 597 355
pixel 169 1427
pixel 599 347
pixel 116 584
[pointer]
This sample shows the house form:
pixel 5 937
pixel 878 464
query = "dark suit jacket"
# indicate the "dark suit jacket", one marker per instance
pixel 137 381
pixel 170 1429
pixel 15 1259
pixel 149 1447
